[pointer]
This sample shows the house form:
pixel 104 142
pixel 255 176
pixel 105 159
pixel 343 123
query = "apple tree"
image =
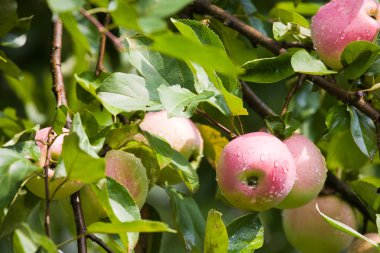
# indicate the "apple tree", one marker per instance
pixel 189 126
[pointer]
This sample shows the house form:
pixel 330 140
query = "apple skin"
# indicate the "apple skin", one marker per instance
pixel 308 231
pixel 36 184
pixel 362 246
pixel 181 133
pixel 340 22
pixel 128 170
pixel 310 169
pixel 255 171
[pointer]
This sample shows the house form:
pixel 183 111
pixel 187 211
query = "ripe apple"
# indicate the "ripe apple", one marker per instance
pixel 182 135
pixel 310 169
pixel 57 186
pixel 128 170
pixel 340 22
pixel 309 232
pixel 362 246
pixel 255 171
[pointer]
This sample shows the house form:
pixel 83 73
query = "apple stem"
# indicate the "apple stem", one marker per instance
pixel 216 123
pixel 293 90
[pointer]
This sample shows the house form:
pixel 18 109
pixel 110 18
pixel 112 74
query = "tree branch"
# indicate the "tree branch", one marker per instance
pixel 255 102
pixel 79 222
pixel 102 48
pixel 216 123
pixel 293 90
pixel 100 242
pixel 115 40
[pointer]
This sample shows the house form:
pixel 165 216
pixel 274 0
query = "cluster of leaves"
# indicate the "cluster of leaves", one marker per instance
pixel 181 66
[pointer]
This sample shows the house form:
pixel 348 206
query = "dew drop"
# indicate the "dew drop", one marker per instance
pixel 262 158
pixel 276 164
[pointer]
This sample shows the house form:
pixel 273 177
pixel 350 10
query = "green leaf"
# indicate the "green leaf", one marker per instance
pixel 357 57
pixel 346 229
pixel 287 16
pixel 216 238
pixel 167 155
pixel 246 234
pixel 71 26
pixel 181 102
pixel 268 70
pixel 120 9
pixel 303 62
pixel 363 131
pixel 161 8
pixel 337 119
pixel 306 9
pixel 8 14
pixel 188 219
pixel 366 188
pixel 127 92
pixel 8 67
pixel 282 126
pixel 60 119
pixel 18 35
pixel 79 164
pixel 13 170
pixel 158 68
pixel 59 6
pixel 185 49
pixel 84 143
pixel 90 82
pixel 131 226
pixel 291 32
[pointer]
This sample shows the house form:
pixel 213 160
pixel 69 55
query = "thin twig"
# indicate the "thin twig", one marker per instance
pixel 216 123
pixel 296 86
pixel 255 102
pixel 47 201
pixel 79 222
pixel 100 242
pixel 115 40
pixel 102 48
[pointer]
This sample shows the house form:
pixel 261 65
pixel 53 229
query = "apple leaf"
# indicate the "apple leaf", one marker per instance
pixel 128 92
pixel 8 14
pixel 131 226
pixel 303 62
pixel 71 26
pixel 306 9
pixel 181 102
pixel 346 229
pixel 357 57
pixel 17 36
pixel 246 234
pixel 8 67
pixel 65 6
pixel 216 238
pixel 363 131
pixel 188 219
pixel 366 189
pixel 287 16
pixel 14 168
pixel 167 155
pixel 268 70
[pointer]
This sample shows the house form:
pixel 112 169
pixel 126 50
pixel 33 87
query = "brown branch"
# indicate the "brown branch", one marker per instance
pixel 102 49
pixel 216 123
pixel 255 102
pixel 55 62
pixel 100 242
pixel 79 222
pixel 293 90
pixel 47 199
pixel 115 40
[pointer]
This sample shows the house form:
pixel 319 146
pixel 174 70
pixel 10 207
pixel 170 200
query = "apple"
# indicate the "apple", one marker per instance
pixel 310 170
pixel 182 135
pixel 340 22
pixel 58 187
pixel 255 171
pixel 128 170
pixel 362 246
pixel 309 232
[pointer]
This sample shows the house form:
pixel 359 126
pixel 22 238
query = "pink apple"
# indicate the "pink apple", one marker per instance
pixel 362 246
pixel 58 187
pixel 255 171
pixel 128 170
pixel 309 232
pixel 310 169
pixel 340 22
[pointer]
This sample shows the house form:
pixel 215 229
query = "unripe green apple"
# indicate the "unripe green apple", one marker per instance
pixel 255 171
pixel 310 169
pixel 309 232
pixel 362 246
pixel 182 135
pixel 128 170
pixel 340 22
pixel 58 188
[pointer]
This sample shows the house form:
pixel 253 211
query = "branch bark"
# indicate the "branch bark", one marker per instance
pixel 79 222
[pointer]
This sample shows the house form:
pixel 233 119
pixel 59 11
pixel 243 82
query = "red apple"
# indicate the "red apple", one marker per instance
pixel 255 171
pixel 340 22
pixel 309 232
pixel 310 169
pixel 128 170
pixel 362 246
